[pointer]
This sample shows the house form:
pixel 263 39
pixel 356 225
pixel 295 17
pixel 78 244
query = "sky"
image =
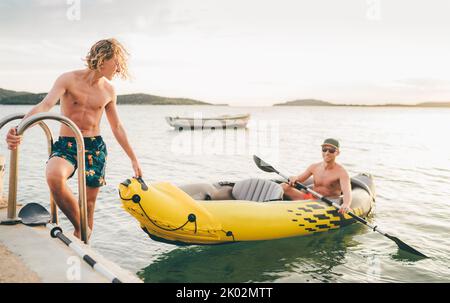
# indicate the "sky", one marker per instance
pixel 240 52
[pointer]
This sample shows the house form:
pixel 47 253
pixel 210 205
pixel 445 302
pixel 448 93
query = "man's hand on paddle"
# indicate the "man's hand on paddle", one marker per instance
pixel 292 180
pixel 137 168
pixel 12 139
pixel 344 208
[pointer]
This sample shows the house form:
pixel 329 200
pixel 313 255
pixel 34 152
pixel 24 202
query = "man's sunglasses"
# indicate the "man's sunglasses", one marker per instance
pixel 328 149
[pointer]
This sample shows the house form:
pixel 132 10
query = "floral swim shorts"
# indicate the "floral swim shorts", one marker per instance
pixel 95 157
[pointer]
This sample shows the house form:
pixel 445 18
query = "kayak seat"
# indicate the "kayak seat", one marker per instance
pixel 258 190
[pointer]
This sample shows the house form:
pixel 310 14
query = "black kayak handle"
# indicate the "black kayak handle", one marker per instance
pixel 143 185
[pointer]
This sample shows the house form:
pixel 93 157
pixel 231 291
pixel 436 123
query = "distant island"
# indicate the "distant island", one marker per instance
pixel 156 100
pixel 314 102
pixel 10 97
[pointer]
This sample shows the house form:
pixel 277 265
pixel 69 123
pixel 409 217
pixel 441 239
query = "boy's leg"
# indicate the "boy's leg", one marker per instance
pixel 95 174
pixel 91 193
pixel 57 172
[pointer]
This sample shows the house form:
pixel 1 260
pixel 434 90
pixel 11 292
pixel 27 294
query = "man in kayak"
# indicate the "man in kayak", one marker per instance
pixel 330 178
pixel 84 95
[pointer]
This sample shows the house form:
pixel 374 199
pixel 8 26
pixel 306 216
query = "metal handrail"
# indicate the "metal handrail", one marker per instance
pixel 82 198
pixel 48 133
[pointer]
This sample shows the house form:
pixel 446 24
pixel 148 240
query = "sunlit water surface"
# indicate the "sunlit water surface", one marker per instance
pixel 406 149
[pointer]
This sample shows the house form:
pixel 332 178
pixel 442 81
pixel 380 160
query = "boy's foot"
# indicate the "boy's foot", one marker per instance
pixel 78 233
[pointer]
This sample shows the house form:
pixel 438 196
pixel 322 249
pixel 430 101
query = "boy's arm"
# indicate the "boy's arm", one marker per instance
pixel 58 89
pixel 120 134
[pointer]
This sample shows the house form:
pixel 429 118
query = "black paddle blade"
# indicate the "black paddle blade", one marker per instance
pixel 264 165
pixel 34 214
pixel 406 247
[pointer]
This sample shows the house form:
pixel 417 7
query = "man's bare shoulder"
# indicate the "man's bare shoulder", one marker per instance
pixel 341 169
pixel 314 166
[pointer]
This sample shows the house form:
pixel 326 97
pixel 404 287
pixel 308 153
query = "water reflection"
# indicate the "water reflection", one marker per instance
pixel 312 258
pixel 405 256
pixel 410 204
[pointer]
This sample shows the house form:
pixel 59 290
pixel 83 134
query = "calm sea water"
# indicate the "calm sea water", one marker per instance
pixel 406 149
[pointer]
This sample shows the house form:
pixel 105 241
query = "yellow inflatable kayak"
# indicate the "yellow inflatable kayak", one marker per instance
pixel 248 210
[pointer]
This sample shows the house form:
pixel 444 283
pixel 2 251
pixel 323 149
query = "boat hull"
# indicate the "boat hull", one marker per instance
pixel 210 123
pixel 168 213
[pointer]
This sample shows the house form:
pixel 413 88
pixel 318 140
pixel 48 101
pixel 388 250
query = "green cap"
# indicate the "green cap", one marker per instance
pixel 332 142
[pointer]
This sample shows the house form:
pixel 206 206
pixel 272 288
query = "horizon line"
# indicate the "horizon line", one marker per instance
pixel 277 103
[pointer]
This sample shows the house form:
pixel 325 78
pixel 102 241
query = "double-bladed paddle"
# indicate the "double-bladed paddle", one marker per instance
pixel 402 245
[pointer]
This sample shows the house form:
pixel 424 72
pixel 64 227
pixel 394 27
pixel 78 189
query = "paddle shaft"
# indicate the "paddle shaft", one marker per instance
pixel 300 186
pixel 399 242
pixel 56 232
pixel 402 245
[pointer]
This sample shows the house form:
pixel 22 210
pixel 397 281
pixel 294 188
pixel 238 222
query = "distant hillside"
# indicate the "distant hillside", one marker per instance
pixel 23 99
pixel 434 104
pixel 156 100
pixel 10 93
pixel 305 102
pixel 314 102
pixel 9 97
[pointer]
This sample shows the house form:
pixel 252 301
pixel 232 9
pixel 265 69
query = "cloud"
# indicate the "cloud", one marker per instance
pixel 422 84
pixel 246 51
pixel 50 3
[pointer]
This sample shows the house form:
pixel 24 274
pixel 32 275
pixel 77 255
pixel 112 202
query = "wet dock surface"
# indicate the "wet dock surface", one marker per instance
pixel 31 255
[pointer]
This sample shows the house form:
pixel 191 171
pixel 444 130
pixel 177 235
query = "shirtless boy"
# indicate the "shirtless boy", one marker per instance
pixel 84 95
pixel 330 178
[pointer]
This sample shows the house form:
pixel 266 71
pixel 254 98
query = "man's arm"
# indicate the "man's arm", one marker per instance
pixel 120 134
pixel 302 177
pixel 58 89
pixel 346 188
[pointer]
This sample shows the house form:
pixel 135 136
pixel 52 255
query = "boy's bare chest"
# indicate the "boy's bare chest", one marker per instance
pixel 86 98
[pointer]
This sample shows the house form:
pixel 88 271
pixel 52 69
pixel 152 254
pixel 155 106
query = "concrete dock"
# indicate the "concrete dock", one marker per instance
pixel 30 254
